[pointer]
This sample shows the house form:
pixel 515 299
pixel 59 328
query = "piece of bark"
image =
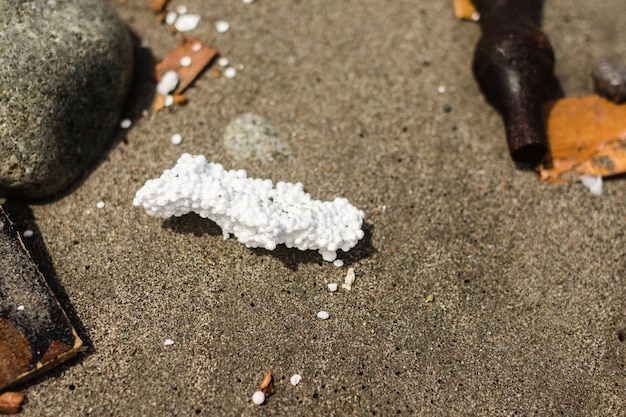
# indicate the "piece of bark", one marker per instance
pixel 201 56
pixel 36 333
pixel 586 136
pixel 11 402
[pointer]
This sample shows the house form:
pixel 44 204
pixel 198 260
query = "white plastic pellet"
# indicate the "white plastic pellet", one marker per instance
pixel 169 100
pixel 126 123
pixel 168 83
pixel 187 22
pixel 100 204
pixel 593 183
pixel 185 61
pixel 338 263
pixel 295 379
pixel 222 26
pixel 323 315
pixel 441 89
pixel 258 398
pixel 177 139
pixel 230 72
pixel 248 1
pixel 28 233
pixel 475 16
pixel 168 342
pixel 20 308
pixel 196 46
pixel 223 62
pixel 332 287
pixel 182 9
pixel 170 18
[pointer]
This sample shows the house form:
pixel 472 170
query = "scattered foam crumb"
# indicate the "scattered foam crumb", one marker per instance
pixel 338 263
pixel 20 307
pixel 324 315
pixel 28 233
pixel 100 204
pixel 222 26
pixel 126 123
pixel 230 72
pixel 332 287
pixel 168 342
pixel 177 139
pixel 441 89
pixel 258 398
pixel 593 183
pixel 182 9
pixel 295 378
pixel 185 61
pixel 187 22
pixel 223 62
pixel 170 18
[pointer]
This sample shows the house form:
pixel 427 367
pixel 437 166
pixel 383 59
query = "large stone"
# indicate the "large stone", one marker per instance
pixel 65 70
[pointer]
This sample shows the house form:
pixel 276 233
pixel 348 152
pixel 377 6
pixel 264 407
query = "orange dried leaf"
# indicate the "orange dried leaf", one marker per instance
pixel 586 136
pixel 201 56
pixel 158 5
pixel 464 9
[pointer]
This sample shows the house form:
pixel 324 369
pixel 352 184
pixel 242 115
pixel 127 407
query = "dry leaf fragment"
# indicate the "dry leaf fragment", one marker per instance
pixel 11 402
pixel 267 385
pixel 587 136
pixel 200 54
pixel 464 9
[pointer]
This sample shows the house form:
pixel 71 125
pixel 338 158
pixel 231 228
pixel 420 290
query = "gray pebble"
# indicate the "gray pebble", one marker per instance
pixel 65 70
pixel 609 81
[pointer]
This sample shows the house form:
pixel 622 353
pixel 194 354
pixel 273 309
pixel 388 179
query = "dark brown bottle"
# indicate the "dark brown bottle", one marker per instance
pixel 513 65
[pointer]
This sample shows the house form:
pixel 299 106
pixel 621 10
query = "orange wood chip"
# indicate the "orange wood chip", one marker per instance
pixel 200 56
pixel 586 136
pixel 464 9
pixel 158 5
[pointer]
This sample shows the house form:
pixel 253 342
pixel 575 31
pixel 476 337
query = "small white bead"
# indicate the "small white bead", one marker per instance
pixel 169 100
pixel 475 16
pixel 20 308
pixel 441 89
pixel 177 139
pixel 350 277
pixel 258 398
pixel 223 61
pixel 168 83
pixel 338 263
pixel 170 18
pixel 181 9
pixel 126 123
pixel 168 342
pixel 187 22
pixel 185 61
pixel 196 46
pixel 248 1
pixel 332 287
pixel 323 315
pixel 295 379
pixel 230 72
pixel 222 26
pixel 100 204
pixel 28 233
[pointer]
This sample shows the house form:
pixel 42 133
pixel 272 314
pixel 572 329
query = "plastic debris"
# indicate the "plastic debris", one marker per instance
pixel 187 22
pixel 295 379
pixel 593 183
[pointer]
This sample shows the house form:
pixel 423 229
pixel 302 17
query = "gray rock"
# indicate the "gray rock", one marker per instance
pixel 65 70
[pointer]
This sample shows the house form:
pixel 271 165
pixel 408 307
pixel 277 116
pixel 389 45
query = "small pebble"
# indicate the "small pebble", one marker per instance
pixel 20 308
pixel 168 342
pixel 28 233
pixel 222 26
pixel 177 139
pixel 350 277
pixel 447 108
pixel 187 22
pixel 323 315
pixel 126 123
pixel 168 83
pixel 100 204
pixel 338 263
pixel 230 72
pixel 196 46
pixel 169 100
pixel 181 9
pixel 295 379
pixel 441 89
pixel 332 287
pixel 258 398
pixel 170 18
pixel 185 61
pixel 223 62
